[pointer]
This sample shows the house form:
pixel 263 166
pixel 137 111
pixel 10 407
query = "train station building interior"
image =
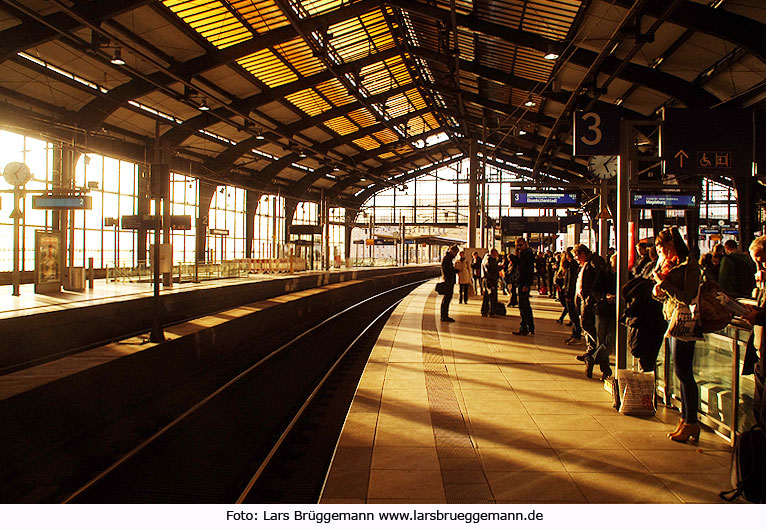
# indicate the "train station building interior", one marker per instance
pixel 192 186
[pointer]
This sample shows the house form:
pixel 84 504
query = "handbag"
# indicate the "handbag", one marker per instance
pixel 442 288
pixel 685 323
pixel 714 315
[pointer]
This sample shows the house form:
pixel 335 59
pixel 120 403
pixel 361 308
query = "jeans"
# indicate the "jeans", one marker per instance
pixel 574 316
pixel 446 300
pixel 525 310
pixel 588 323
pixel 605 331
pixel 683 362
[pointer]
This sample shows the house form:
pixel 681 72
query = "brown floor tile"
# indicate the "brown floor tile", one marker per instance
pixel 696 488
pixel 614 461
pixel 347 484
pixel 581 440
pixel 359 430
pixel 519 438
pixel 533 486
pixel 624 488
pixel 405 458
pixel 566 422
pixel 536 406
pixel 519 459
pixel 678 461
pixel 404 484
pixel 324 500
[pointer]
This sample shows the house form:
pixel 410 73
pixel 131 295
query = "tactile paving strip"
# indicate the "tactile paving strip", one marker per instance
pixel 462 472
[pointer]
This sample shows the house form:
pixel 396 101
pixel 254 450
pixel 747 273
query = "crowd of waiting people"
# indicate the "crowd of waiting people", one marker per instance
pixel 663 274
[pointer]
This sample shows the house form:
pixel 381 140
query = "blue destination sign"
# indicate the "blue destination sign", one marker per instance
pixel 542 199
pixel 662 200
pixel 710 231
pixel 61 202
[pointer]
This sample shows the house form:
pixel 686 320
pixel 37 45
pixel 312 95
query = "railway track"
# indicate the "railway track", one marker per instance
pixel 265 435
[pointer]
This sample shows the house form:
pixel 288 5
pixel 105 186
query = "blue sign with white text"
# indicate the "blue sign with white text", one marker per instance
pixel 544 199
pixel 662 200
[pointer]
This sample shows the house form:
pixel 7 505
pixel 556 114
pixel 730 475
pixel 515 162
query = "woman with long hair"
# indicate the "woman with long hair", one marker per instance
pixel 677 279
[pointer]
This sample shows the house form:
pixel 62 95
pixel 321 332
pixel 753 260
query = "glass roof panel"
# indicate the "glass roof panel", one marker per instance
pixel 334 91
pixel 368 143
pixel 299 55
pixel 262 15
pixel 363 117
pixel 359 37
pixel 341 125
pixel 317 7
pixel 309 102
pixel 268 68
pixel 386 136
pixel 211 19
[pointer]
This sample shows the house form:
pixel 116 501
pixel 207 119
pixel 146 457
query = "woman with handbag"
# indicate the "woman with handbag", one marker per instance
pixel 677 279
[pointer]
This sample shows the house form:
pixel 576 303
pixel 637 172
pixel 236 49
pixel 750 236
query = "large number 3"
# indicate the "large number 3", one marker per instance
pixel 593 127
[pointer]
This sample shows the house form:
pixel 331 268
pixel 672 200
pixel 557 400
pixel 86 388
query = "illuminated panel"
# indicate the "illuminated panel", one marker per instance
pixel 335 92
pixel 309 102
pixel 367 143
pixel 262 15
pixel 362 117
pixel 211 19
pixel 359 37
pixel 385 75
pixel 386 136
pixel 341 125
pixel 317 7
pixel 298 54
pixel 268 68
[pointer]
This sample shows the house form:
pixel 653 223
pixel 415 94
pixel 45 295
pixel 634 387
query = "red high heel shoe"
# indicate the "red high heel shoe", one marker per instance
pixel 687 431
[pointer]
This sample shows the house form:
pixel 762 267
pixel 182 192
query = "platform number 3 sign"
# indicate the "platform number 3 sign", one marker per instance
pixel 597 133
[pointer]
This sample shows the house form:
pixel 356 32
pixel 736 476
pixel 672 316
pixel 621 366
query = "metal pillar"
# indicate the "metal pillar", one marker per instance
pixel 473 186
pixel 623 216
pixel 603 224
pixel 16 276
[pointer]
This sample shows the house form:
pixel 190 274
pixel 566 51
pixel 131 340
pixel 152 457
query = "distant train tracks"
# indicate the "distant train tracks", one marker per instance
pixel 266 434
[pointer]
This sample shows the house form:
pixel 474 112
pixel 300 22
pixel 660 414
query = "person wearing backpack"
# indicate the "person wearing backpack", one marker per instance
pixel 736 271
pixel 677 281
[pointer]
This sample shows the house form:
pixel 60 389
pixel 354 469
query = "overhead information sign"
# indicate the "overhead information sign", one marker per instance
pixel 544 199
pixel 596 132
pixel 659 201
pixel 62 202
pixel 147 222
pixel 717 142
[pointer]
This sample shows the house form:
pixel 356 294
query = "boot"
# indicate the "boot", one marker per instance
pixel 688 430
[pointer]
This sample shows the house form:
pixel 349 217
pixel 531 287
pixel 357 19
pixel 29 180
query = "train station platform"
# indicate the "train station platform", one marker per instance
pixel 466 412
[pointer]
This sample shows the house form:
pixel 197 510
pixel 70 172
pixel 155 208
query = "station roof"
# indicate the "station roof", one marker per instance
pixel 346 97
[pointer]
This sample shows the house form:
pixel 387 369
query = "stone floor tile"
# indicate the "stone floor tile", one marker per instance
pixel 624 488
pixel 600 439
pixel 696 488
pixel 520 459
pixel 533 486
pixel 613 461
pixel 405 484
pixel 663 461
pixel 404 458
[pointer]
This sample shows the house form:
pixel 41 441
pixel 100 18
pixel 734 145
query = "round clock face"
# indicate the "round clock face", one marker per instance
pixel 17 174
pixel 603 167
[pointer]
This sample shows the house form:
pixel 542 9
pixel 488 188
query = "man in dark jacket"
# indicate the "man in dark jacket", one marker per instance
pixel 526 265
pixel 589 294
pixel 448 273
pixel 642 259
pixel 736 272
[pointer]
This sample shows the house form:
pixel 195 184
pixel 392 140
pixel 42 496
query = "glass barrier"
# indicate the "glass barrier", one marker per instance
pixel 726 396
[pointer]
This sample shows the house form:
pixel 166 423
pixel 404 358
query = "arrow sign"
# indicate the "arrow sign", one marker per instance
pixel 682 154
pixel 15 214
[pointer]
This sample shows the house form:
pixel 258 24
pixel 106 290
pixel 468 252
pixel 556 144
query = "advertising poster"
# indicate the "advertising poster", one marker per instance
pixel 47 262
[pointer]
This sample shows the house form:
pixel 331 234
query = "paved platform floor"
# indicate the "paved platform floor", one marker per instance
pixel 466 412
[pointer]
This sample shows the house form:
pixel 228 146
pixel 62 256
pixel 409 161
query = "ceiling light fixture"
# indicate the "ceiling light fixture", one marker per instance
pixel 203 106
pixel 551 56
pixel 259 134
pixel 519 153
pixel 117 58
pixel 529 103
pixel 522 132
